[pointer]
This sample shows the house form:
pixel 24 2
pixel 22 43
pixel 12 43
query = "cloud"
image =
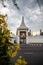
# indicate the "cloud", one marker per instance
pixel 29 9
pixel 41 2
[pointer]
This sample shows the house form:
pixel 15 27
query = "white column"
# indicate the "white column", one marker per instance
pixel 18 37
pixel 26 37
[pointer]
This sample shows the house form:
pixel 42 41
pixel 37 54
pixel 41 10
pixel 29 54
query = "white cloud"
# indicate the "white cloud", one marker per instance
pixel 29 9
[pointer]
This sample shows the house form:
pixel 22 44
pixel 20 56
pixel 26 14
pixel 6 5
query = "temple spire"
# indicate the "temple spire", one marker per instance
pixel 23 23
pixel 22 19
pixel 22 26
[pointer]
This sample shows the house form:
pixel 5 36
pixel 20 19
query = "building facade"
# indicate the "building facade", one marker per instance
pixel 25 37
pixel 22 33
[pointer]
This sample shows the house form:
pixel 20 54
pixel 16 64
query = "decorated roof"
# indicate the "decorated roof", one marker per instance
pixel 23 26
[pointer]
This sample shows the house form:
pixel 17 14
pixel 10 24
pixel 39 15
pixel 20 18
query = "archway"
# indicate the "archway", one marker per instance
pixel 22 37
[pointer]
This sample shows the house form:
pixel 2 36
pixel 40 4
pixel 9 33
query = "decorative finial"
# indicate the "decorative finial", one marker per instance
pixel 22 19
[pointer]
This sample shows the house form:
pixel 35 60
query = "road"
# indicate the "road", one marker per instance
pixel 32 54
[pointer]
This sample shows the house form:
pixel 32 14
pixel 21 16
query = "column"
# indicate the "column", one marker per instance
pixel 26 36
pixel 18 37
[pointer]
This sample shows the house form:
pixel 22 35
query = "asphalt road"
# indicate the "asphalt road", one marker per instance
pixel 33 55
pixel 34 58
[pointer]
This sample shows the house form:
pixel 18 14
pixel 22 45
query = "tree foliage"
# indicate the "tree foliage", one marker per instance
pixel 20 61
pixel 13 50
pixel 7 50
pixel 4 38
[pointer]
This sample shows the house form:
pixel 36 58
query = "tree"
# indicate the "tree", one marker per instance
pixel 13 50
pixel 4 38
pixel 20 61
pixel 7 50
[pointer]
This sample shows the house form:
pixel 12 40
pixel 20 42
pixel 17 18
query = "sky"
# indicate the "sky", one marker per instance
pixel 33 16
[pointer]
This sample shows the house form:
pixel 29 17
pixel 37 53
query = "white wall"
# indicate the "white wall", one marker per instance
pixel 35 39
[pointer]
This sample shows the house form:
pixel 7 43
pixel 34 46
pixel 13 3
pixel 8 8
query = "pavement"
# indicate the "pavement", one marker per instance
pixel 32 54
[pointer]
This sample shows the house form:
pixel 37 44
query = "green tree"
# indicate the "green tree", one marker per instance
pixel 4 38
pixel 20 61
pixel 7 50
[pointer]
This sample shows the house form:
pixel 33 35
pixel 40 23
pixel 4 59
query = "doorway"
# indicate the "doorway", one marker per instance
pixel 22 37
